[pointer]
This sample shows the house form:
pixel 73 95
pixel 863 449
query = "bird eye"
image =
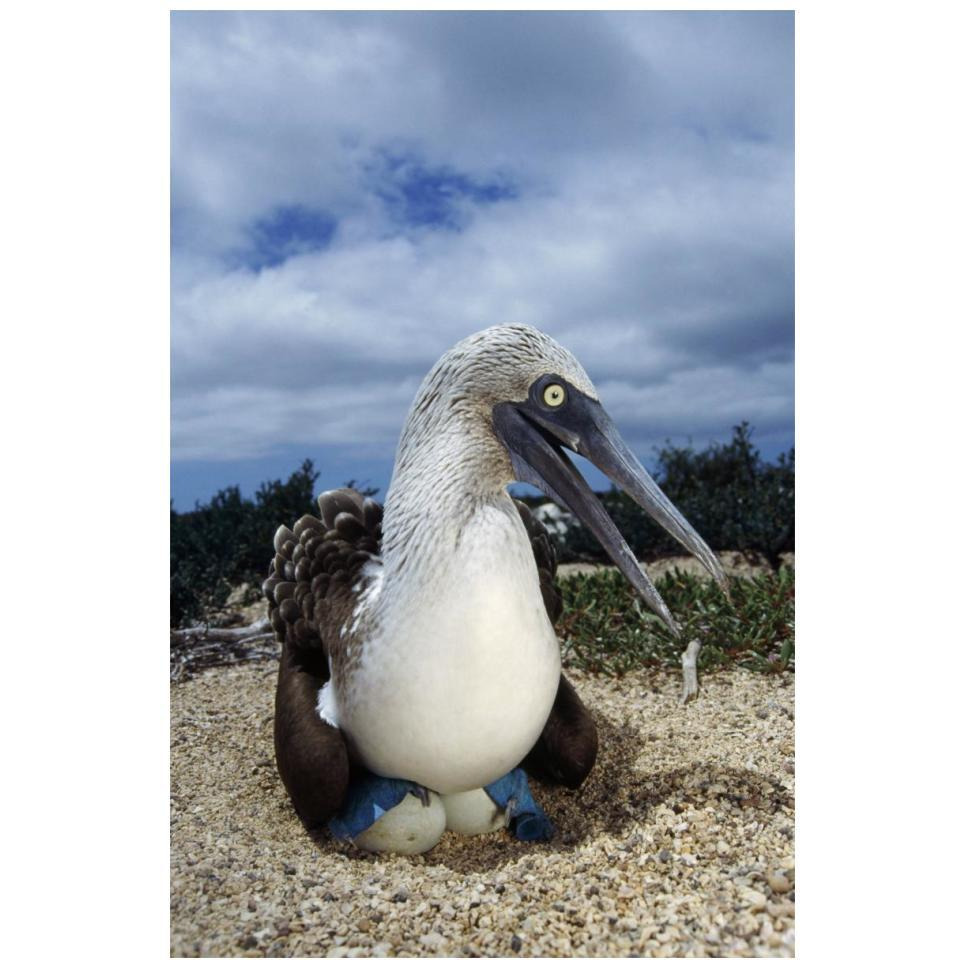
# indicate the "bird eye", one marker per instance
pixel 554 394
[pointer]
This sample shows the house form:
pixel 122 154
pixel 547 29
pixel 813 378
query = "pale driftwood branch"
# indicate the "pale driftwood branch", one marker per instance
pixel 220 634
pixel 196 648
pixel 688 660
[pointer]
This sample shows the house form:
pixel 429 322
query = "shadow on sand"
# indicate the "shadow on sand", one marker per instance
pixel 614 802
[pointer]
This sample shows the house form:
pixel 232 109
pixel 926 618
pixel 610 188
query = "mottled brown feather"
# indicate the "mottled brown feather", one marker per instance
pixel 317 564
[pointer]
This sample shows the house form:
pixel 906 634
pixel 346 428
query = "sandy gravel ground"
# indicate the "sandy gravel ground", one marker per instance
pixel 679 844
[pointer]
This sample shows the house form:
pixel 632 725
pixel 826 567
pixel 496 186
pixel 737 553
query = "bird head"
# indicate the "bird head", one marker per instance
pixel 540 404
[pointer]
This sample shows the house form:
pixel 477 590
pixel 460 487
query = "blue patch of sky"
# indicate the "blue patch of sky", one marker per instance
pixel 287 231
pixel 414 193
pixel 440 197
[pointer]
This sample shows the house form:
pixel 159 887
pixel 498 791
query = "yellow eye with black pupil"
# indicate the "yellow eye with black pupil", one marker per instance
pixel 554 395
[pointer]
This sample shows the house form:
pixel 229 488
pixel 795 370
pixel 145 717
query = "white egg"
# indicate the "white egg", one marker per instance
pixel 472 812
pixel 409 827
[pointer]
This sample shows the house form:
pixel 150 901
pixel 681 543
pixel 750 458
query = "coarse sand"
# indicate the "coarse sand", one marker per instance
pixel 680 843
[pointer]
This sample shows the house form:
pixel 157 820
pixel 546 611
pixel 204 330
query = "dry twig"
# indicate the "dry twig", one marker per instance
pixel 688 660
pixel 196 648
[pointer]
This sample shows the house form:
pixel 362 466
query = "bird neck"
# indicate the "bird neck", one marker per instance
pixel 443 476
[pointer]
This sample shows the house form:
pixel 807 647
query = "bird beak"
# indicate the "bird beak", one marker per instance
pixel 534 436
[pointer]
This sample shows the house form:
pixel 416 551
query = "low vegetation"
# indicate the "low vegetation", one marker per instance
pixel 605 628
pixel 732 497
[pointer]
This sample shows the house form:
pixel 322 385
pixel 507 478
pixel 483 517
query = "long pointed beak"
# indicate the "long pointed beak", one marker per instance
pixel 603 446
pixel 533 435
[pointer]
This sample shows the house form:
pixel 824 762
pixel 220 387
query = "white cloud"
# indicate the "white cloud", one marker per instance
pixel 652 232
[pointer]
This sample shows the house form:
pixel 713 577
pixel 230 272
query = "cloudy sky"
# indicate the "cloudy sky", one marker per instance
pixel 354 192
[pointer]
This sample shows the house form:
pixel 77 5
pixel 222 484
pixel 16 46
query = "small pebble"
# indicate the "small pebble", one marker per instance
pixel 783 908
pixel 755 898
pixel 779 883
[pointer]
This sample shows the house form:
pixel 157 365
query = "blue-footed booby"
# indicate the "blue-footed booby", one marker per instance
pixel 418 640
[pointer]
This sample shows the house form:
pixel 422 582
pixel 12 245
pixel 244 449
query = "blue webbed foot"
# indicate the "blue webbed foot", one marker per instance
pixel 388 815
pixel 525 817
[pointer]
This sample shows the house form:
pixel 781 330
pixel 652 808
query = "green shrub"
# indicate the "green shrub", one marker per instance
pixel 732 498
pixel 606 628
pixel 229 541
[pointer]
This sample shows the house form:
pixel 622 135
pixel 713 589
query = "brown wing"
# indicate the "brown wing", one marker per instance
pixel 318 563
pixel 310 589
